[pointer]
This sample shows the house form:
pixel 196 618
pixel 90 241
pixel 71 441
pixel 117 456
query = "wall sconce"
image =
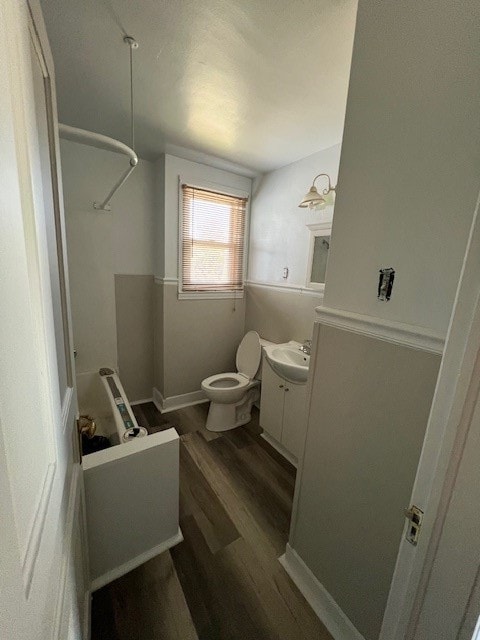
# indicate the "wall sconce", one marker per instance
pixel 315 200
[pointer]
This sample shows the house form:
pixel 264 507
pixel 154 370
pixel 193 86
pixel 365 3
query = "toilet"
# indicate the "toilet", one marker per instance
pixel 232 395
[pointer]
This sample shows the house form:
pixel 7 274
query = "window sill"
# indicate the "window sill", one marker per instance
pixel 210 295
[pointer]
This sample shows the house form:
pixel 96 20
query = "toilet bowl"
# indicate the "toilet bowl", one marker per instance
pixel 232 395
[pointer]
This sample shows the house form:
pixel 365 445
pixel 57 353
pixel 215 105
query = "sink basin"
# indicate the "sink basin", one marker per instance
pixel 289 361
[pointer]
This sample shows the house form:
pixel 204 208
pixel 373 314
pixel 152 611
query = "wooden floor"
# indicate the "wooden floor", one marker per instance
pixel 224 581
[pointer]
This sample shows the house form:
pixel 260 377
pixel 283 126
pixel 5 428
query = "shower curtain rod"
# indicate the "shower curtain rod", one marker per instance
pixel 102 142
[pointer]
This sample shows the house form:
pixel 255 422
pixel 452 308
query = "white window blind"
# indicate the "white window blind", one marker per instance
pixel 213 228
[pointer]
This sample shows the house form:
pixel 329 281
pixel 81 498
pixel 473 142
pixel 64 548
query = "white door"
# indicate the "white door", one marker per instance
pixel 271 402
pixel 450 604
pixel 294 418
pixel 43 578
pixel 435 581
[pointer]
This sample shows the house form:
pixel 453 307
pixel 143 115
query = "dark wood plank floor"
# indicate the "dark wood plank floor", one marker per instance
pixel 223 582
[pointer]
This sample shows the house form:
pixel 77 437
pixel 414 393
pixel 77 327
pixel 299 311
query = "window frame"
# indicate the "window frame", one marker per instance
pixel 229 191
pixel 317 229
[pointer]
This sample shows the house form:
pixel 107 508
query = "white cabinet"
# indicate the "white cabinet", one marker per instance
pixel 294 418
pixel 271 402
pixel 283 410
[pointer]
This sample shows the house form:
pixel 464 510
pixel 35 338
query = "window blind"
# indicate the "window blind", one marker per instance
pixel 213 228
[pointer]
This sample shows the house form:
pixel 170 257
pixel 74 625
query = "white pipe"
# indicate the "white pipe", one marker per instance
pixel 127 426
pixel 105 206
pixel 101 142
pixel 96 140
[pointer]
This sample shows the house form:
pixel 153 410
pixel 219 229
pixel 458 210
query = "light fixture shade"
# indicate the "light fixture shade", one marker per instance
pixel 313 200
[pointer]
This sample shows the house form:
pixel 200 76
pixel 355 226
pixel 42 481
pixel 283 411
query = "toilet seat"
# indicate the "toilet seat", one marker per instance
pixel 226 381
pixel 249 353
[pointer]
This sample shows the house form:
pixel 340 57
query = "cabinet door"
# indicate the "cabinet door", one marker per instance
pixel 294 418
pixel 271 402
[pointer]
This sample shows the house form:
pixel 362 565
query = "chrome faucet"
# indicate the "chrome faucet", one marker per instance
pixel 306 347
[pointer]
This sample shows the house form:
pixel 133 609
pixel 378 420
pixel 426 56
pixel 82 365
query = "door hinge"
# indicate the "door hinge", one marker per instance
pixel 415 517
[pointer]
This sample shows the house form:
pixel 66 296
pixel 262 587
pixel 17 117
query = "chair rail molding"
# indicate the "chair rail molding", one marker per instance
pixel 285 288
pixel 412 336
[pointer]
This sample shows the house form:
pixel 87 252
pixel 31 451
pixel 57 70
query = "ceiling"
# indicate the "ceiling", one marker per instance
pixel 259 83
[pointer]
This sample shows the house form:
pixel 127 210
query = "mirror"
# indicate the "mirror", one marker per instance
pixel 321 245
pixel 319 249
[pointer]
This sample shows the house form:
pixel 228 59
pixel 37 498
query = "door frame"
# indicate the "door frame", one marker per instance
pixel 447 430
pixel 46 579
pixel 73 572
pixel 38 34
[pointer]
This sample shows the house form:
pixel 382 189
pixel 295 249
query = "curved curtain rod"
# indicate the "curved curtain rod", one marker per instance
pixel 102 142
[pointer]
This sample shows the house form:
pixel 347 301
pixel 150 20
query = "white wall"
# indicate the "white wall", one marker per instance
pixel 408 182
pixel 279 236
pixel 409 173
pixel 101 244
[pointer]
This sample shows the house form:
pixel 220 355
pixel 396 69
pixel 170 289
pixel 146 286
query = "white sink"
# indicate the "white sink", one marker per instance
pixel 289 361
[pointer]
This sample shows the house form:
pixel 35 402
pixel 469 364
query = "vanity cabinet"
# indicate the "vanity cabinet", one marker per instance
pixel 283 411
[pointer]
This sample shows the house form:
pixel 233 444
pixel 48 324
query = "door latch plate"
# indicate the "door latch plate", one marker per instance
pixel 415 517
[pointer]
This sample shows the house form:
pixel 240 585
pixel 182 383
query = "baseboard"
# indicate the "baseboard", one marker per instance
pixel 281 450
pixel 134 402
pixel 322 603
pixel 112 575
pixel 157 399
pixel 177 402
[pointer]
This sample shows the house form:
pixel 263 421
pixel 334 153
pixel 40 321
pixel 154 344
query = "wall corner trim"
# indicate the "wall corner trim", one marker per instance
pixel 322 603
pixel 177 402
pixel 412 336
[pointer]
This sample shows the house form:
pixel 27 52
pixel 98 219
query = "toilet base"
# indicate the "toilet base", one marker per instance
pixel 223 417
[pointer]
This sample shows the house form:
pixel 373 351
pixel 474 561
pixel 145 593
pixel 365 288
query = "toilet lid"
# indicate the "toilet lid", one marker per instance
pixel 248 354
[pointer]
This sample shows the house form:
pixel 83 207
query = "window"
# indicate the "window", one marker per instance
pixel 212 241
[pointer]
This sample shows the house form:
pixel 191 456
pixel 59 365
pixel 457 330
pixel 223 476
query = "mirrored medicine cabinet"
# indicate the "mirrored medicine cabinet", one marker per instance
pixel 318 254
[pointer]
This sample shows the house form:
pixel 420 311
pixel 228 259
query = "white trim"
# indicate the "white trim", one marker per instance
pixel 161 280
pixel 66 406
pixel 157 399
pixel 476 633
pixel 177 402
pixel 226 190
pixel 317 230
pixel 217 187
pixel 35 536
pixel 200 295
pixel 210 161
pixel 134 402
pixel 112 575
pixel 322 603
pixel 113 455
pixel 396 332
pixel 320 226
pixel 210 295
pixel 280 448
pixel 66 551
pixel 285 288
